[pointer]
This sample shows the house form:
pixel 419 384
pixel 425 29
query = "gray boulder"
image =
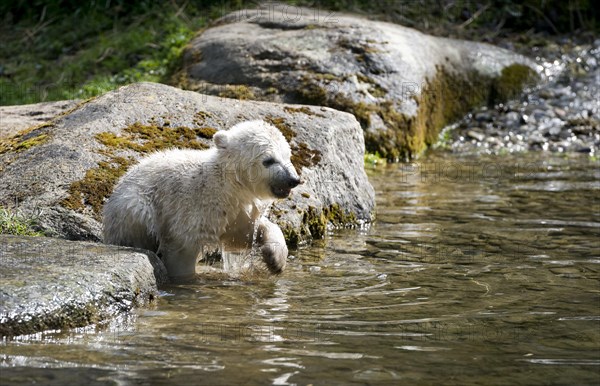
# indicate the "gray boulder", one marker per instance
pixel 401 84
pixel 62 171
pixel 16 118
pixel 52 284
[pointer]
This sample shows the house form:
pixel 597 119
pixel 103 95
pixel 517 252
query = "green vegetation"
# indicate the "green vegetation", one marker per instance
pixel 314 223
pixel 25 139
pixel 374 159
pixel 15 223
pixel 54 50
pixel 477 20
pixel 64 49
pixel 444 138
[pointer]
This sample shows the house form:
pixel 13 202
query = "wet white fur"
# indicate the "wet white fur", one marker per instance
pixel 176 202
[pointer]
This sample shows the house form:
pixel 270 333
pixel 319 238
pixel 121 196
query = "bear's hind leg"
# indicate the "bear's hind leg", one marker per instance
pixel 180 261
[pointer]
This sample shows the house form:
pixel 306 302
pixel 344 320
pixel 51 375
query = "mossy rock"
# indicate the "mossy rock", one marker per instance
pixel 69 168
pixel 315 222
pixel 302 154
pixel 26 139
pixel 402 86
pixel 96 186
pixel 511 82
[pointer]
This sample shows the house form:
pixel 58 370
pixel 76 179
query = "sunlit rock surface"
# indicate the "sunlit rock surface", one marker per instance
pixel 50 284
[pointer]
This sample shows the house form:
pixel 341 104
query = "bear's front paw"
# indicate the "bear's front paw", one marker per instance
pixel 274 256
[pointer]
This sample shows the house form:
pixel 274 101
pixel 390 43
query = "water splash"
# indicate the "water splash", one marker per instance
pixel 237 263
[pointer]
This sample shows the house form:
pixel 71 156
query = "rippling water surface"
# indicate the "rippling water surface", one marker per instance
pixel 479 270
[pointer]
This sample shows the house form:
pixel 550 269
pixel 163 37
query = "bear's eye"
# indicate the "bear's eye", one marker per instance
pixel 269 161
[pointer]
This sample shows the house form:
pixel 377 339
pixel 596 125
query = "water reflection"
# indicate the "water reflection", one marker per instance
pixel 478 271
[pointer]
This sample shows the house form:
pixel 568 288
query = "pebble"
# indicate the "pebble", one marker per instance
pixel 560 112
pixel 513 119
pixel 475 135
pixel 560 115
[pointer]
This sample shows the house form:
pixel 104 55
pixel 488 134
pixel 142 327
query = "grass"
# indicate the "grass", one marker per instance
pixel 372 160
pixel 91 51
pixel 15 223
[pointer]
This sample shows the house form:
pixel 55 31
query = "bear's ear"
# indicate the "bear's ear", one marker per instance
pixel 220 139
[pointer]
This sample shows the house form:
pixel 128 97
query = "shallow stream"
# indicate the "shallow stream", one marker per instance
pixel 479 270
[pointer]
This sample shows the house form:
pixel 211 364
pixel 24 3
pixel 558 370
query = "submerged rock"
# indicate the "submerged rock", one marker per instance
pixel 50 284
pixel 63 171
pixel 402 85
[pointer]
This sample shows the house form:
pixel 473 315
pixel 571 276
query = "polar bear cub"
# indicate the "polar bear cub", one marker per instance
pixel 178 201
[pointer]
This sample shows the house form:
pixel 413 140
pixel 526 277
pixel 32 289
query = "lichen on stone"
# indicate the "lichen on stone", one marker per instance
pixel 302 154
pixel 240 92
pixel 26 139
pixel 315 221
pixel 96 185
pixel 444 98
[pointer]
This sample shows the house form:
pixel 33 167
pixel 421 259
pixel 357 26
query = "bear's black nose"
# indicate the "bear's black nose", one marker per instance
pixel 293 182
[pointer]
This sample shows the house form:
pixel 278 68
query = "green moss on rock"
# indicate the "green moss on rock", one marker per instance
pixel 147 138
pixel 443 99
pixel 203 115
pixel 291 235
pixel 511 81
pixel 26 139
pixel 314 223
pixel 302 154
pixel 96 185
pixel 302 110
pixel 283 126
pixel 337 216
pixel 374 88
pixel 240 92
pixel 205 132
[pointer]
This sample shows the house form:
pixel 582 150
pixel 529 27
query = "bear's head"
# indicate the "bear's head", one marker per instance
pixel 257 157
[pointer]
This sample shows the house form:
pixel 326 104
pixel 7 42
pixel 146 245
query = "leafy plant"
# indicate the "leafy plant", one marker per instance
pixel 374 159
pixel 15 223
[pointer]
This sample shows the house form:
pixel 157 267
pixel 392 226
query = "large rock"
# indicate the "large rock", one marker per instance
pixel 16 118
pixel 53 284
pixel 402 85
pixel 62 171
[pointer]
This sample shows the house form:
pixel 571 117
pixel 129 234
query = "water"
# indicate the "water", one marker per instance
pixel 480 270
